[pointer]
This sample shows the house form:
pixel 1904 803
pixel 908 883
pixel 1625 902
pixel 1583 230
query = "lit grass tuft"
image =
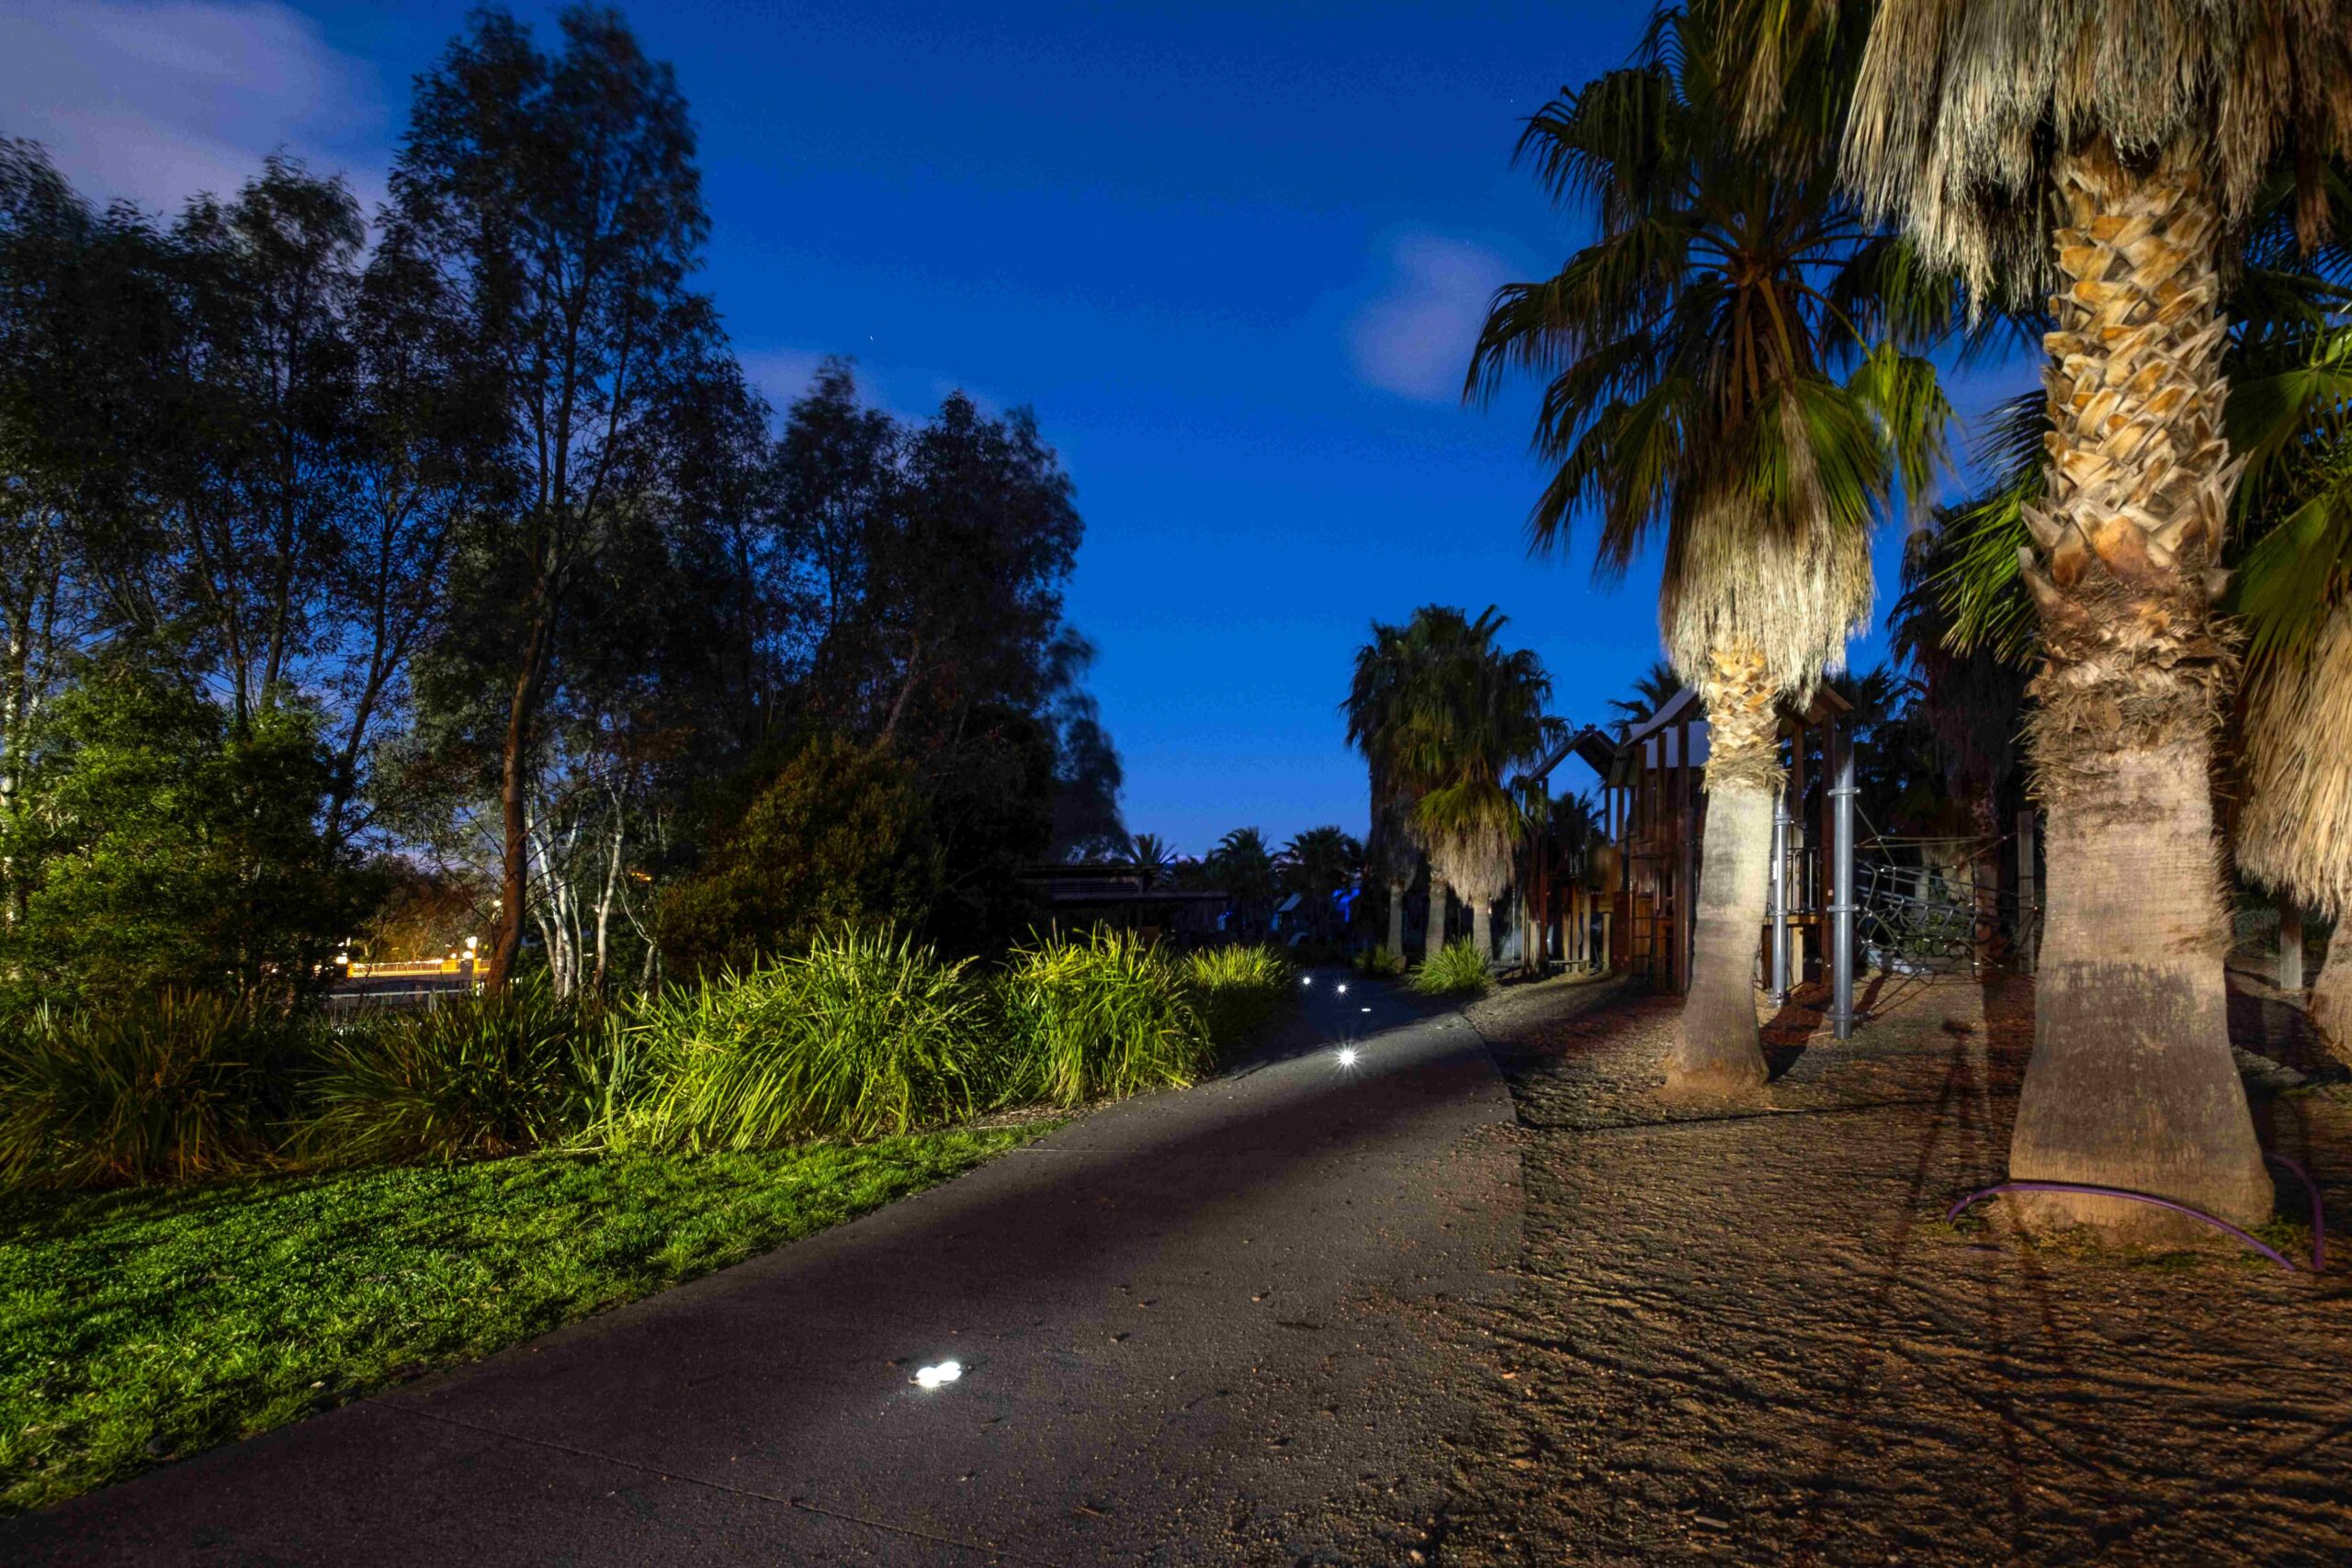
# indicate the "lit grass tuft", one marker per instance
pixel 1458 970
pixel 1108 1013
pixel 866 1034
pixel 176 1087
pixel 480 1077
pixel 1240 991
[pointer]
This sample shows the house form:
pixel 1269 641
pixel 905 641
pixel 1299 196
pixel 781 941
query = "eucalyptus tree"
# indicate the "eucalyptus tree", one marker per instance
pixel 1725 375
pixel 557 194
pixel 2099 157
pixel 256 525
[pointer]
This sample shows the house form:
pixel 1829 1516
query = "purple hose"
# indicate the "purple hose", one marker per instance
pixel 2319 1221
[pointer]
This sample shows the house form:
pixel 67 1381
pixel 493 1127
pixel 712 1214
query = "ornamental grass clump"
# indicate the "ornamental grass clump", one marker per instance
pixel 177 1086
pixel 1458 970
pixel 1106 1014
pixel 1241 990
pixel 497 1074
pixel 864 1035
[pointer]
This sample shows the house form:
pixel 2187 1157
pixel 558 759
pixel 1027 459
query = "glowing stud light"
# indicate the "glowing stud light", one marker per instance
pixel 1307 979
pixel 1343 988
pixel 1363 1009
pixel 1347 1055
pixel 945 1373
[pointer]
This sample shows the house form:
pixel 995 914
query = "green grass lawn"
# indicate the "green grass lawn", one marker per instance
pixel 141 1324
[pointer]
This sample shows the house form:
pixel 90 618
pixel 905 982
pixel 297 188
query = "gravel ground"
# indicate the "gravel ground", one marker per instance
pixel 1748 1335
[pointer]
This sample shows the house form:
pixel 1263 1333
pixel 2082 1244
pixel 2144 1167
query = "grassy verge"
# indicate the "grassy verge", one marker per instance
pixel 141 1325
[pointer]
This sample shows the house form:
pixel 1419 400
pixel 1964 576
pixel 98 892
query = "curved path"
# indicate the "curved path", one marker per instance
pixel 1187 1325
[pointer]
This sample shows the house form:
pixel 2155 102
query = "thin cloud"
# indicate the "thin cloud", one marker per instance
pixel 154 103
pixel 1414 338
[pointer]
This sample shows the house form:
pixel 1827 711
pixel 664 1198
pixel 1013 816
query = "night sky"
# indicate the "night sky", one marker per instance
pixel 1233 259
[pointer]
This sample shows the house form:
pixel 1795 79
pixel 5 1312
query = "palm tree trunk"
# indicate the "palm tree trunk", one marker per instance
pixel 1716 1049
pixel 1433 933
pixel 1397 891
pixel 1482 928
pixel 2332 994
pixel 2132 1083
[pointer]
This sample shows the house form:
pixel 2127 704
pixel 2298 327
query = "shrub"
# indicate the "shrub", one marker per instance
pixel 175 1087
pixel 838 836
pixel 1107 1014
pixel 157 847
pixel 497 1074
pixel 1372 961
pixel 866 1034
pixel 1458 970
pixel 1241 990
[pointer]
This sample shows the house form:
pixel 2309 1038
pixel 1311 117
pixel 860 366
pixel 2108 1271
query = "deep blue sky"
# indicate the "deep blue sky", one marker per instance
pixel 1232 258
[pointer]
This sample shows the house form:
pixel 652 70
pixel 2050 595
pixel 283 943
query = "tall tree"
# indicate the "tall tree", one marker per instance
pixel 1374 708
pixel 1244 867
pixel 1715 373
pixel 557 192
pixel 1317 865
pixel 2098 155
pixel 1473 713
pixel 252 524
pixel 1653 689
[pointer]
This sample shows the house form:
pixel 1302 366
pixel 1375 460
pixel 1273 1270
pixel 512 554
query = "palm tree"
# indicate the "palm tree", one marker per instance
pixel 1244 868
pixel 2294 591
pixel 1655 687
pixel 1694 353
pixel 1147 859
pixel 1317 865
pixel 2096 156
pixel 1474 712
pixel 1374 706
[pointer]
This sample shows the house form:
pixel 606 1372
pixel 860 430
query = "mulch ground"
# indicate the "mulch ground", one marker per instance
pixel 1750 1335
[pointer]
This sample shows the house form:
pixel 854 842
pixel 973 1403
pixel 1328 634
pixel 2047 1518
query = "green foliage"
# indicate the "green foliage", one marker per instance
pixel 1372 961
pixel 1240 991
pixel 1726 363
pixel 865 1034
pixel 162 846
pixel 495 1074
pixel 161 1322
pixel 839 836
pixel 1458 970
pixel 174 1087
pixel 1108 1013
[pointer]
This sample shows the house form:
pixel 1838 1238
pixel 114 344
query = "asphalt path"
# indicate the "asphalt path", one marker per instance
pixel 1185 1328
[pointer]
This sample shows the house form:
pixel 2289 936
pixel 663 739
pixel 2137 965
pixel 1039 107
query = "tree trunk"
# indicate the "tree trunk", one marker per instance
pixel 1433 933
pixel 2132 1083
pixel 514 761
pixel 1397 891
pixel 2290 945
pixel 2331 993
pixel 1717 1048
pixel 1482 928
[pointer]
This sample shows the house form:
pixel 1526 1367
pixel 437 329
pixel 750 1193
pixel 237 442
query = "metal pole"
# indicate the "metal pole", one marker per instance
pixel 1780 986
pixel 1841 911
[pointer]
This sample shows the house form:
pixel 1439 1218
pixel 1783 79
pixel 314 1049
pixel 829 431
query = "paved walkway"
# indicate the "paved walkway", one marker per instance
pixel 1187 1325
